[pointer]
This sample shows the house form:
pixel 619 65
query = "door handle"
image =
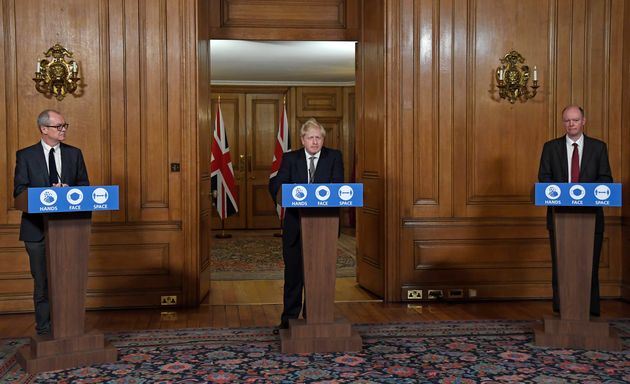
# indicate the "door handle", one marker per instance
pixel 250 169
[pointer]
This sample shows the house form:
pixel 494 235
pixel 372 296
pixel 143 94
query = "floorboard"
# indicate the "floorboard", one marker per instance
pixel 257 303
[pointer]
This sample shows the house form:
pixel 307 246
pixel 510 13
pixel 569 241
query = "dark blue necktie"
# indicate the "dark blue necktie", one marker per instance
pixel 52 167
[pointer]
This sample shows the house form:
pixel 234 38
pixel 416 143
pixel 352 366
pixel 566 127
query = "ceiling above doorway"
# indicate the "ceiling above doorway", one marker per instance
pixel 242 62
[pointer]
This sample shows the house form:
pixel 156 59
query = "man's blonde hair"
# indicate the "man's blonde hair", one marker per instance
pixel 312 123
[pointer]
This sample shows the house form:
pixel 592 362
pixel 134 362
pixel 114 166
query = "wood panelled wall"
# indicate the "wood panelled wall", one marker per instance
pixel 135 115
pixel 447 168
pixel 453 178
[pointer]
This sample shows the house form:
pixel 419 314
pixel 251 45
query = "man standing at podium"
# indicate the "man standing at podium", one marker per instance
pixel 312 164
pixel 576 158
pixel 48 163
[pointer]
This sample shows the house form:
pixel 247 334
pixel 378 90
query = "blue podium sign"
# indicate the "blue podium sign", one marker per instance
pixel 322 195
pixel 578 194
pixel 73 199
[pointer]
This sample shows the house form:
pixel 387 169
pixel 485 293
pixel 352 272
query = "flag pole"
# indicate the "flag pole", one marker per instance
pixel 223 235
pixel 280 218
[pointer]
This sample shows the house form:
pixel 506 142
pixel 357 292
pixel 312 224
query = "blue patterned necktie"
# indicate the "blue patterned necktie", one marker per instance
pixel 311 169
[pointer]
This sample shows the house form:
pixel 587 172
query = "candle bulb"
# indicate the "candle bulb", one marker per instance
pixel 535 73
pixel 38 67
pixel 500 70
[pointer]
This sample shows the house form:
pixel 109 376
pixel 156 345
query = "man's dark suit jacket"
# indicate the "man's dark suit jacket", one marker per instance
pixel 594 168
pixel 31 171
pixel 294 170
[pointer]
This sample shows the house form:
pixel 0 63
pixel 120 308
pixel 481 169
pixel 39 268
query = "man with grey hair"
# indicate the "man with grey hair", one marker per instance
pixel 575 158
pixel 313 163
pixel 47 163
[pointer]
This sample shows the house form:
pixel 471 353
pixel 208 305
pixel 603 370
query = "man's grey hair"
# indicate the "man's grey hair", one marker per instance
pixel 573 106
pixel 44 117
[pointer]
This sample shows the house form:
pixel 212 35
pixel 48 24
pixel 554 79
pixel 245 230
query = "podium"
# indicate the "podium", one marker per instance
pixel 321 331
pixel 67 221
pixel 574 224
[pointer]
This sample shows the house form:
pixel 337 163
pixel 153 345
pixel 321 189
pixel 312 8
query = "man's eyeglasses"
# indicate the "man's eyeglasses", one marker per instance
pixel 59 127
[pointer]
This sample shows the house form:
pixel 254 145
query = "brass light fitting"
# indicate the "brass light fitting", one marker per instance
pixel 55 76
pixel 512 78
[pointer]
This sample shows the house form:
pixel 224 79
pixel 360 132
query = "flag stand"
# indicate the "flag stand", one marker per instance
pixel 223 235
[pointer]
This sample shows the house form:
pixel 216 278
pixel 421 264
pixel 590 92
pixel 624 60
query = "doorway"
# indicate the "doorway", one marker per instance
pixel 251 112
pixel 254 81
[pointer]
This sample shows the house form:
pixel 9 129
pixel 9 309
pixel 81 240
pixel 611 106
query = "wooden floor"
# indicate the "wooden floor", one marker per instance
pixel 257 304
pixel 248 292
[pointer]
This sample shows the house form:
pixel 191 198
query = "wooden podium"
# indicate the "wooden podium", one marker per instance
pixel 321 331
pixel 574 229
pixel 67 250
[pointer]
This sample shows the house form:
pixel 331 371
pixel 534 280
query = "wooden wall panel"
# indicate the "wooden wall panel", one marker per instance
pixel 285 20
pixel 319 101
pixel 498 138
pixel 303 13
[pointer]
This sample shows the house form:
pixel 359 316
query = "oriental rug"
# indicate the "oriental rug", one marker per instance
pixel 258 256
pixel 426 352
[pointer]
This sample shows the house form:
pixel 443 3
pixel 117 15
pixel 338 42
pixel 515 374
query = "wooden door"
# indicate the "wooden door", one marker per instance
pixel 263 117
pixel 370 139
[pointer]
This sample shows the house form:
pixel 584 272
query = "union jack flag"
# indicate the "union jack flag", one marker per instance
pixel 221 171
pixel 282 146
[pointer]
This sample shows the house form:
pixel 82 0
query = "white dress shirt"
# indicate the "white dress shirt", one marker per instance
pixel 57 157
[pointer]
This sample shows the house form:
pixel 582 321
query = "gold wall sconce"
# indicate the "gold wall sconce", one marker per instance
pixel 512 79
pixel 56 77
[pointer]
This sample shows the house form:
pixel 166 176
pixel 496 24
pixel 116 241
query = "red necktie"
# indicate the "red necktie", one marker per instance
pixel 575 164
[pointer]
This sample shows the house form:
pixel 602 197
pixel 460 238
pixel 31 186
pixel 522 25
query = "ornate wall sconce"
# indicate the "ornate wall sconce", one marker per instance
pixel 56 77
pixel 512 79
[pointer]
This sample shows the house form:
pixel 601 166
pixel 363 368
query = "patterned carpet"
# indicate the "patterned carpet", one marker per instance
pixel 428 352
pixel 258 256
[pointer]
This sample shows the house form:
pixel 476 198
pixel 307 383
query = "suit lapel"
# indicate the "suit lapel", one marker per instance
pixel 587 154
pixel 65 164
pixel 321 164
pixel 40 163
pixel 564 166
pixel 302 168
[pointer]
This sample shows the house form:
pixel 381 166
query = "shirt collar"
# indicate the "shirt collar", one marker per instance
pixel 47 147
pixel 580 141
pixel 308 155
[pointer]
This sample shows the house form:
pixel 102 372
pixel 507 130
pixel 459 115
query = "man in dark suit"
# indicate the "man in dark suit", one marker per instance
pixel 574 158
pixel 48 163
pixel 312 164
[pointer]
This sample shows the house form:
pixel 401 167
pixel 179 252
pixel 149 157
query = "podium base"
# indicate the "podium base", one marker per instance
pixel 302 337
pixel 46 354
pixel 577 334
